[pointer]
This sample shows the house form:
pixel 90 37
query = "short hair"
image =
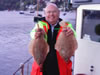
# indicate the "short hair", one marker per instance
pixel 51 4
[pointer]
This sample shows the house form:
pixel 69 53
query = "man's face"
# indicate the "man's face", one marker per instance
pixel 52 14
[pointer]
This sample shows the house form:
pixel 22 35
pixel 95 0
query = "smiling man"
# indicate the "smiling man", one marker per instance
pixel 49 27
pixel 52 14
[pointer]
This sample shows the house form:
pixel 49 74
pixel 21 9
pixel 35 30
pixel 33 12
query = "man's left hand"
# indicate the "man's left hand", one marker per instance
pixel 68 31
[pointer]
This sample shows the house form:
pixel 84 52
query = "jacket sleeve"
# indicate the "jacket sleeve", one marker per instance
pixel 70 25
pixel 32 33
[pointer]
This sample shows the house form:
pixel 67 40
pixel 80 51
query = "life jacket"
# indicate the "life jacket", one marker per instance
pixel 45 26
pixel 64 67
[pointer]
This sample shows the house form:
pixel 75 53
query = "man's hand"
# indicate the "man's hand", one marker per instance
pixel 68 31
pixel 39 32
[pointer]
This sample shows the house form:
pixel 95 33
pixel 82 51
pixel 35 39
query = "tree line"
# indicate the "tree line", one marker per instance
pixel 14 4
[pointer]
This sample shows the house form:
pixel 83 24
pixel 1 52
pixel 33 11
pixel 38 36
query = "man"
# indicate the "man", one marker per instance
pixel 49 27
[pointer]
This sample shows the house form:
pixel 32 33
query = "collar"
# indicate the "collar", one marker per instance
pixel 54 24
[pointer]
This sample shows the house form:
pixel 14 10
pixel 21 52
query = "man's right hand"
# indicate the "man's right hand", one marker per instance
pixel 39 32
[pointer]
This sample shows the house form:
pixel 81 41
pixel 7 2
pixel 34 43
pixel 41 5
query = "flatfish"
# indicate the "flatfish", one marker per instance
pixel 66 45
pixel 39 49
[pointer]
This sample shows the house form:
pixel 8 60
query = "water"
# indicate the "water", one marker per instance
pixel 14 38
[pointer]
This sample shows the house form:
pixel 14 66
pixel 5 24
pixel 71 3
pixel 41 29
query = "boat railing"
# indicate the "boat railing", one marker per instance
pixel 24 68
